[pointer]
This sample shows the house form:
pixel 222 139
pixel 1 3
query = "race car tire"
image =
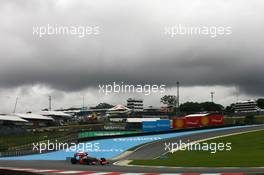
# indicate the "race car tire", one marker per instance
pixel 73 160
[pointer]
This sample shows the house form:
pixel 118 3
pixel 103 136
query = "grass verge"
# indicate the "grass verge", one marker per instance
pixel 247 151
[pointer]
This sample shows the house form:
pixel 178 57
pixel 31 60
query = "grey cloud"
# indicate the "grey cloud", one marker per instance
pixel 132 46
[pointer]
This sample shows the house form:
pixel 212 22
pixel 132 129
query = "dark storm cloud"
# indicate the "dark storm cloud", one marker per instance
pixel 132 47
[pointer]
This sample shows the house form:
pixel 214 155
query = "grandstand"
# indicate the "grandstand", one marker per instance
pixel 249 106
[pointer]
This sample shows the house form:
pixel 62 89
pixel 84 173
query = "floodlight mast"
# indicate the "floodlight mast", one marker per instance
pixel 49 102
pixel 212 96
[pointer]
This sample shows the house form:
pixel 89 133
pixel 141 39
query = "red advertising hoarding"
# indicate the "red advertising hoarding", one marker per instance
pixel 216 119
pixel 197 120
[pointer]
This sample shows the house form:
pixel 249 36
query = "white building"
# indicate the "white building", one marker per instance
pixel 246 106
pixel 118 113
pixel 135 104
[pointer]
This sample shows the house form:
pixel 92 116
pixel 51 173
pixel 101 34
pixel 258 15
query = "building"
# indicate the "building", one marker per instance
pixel 135 104
pixel 6 119
pixel 118 113
pixel 59 116
pixel 11 124
pixel 21 123
pixel 36 120
pixel 249 106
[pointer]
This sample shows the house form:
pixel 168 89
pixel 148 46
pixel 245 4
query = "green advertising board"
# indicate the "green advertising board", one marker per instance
pixel 104 133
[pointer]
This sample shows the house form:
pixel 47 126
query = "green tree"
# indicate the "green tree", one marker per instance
pixel 169 100
pixel 230 108
pixel 260 103
pixel 191 107
pixel 211 106
pixel 103 106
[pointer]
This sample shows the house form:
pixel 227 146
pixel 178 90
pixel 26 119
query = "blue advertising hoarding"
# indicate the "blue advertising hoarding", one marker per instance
pixel 149 126
pixel 163 125
pixel 159 125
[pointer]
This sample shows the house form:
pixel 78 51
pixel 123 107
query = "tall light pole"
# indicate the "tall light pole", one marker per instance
pixel 212 96
pixel 178 94
pixel 83 102
pixel 15 105
pixel 49 103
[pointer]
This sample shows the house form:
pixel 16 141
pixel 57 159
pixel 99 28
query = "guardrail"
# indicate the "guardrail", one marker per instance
pixel 80 140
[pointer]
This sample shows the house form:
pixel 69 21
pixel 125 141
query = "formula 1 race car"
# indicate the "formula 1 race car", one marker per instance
pixel 83 158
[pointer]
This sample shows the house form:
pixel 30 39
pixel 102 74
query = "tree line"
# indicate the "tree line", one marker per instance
pixel 189 107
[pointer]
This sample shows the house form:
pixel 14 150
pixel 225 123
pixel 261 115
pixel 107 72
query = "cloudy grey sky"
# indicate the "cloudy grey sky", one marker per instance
pixel 132 48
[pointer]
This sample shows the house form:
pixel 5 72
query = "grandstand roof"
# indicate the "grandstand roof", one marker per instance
pixel 12 118
pixel 33 116
pixel 54 113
